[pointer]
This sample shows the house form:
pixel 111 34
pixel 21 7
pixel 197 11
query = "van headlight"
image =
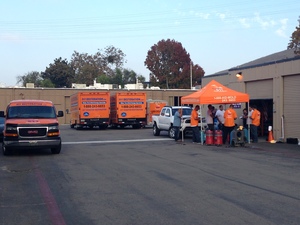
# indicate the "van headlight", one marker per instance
pixel 53 131
pixel 11 131
pixel 52 128
pixel 9 128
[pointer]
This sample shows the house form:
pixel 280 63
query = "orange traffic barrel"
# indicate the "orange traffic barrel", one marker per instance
pixel 209 137
pixel 218 137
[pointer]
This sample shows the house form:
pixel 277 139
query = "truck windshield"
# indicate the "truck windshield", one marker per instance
pixel 31 112
pixel 185 112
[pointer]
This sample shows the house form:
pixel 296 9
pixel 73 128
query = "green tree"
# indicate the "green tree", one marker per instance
pixel 169 64
pixel 113 58
pixel 103 79
pixel 47 83
pixel 90 67
pixel 118 78
pixel 141 78
pixel 129 76
pixel 295 39
pixel 30 77
pixel 60 73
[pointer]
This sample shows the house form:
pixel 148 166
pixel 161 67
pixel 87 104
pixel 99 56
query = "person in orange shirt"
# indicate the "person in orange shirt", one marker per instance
pixel 194 124
pixel 255 117
pixel 229 124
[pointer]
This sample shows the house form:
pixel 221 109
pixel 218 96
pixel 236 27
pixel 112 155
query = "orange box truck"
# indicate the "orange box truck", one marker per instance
pixel 90 109
pixel 128 108
pixel 153 108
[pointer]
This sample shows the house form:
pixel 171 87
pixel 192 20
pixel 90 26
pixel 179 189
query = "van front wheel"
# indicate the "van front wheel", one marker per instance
pixel 5 150
pixel 56 150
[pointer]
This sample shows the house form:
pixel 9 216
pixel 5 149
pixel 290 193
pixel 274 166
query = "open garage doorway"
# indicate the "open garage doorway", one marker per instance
pixel 265 106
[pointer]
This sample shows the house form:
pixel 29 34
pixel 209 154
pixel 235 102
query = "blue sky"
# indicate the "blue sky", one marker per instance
pixel 217 34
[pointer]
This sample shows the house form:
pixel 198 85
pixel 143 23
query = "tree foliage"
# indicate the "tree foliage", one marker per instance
pixel 60 73
pixel 104 62
pixel 121 77
pixel 30 77
pixel 295 39
pixel 105 66
pixel 169 64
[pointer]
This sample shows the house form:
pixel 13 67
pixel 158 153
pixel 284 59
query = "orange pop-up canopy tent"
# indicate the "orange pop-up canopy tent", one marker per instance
pixel 215 93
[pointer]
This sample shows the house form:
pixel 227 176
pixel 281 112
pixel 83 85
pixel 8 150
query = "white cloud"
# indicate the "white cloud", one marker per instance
pixel 222 16
pixel 10 37
pixel 245 22
pixel 200 15
pixel 281 31
pixel 264 23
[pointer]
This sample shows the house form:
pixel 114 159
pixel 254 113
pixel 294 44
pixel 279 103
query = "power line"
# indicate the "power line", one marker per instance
pixel 139 23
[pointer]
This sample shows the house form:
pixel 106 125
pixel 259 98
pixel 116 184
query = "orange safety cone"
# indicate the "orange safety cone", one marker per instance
pixel 270 136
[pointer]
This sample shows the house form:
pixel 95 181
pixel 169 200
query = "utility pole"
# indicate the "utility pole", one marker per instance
pixel 191 72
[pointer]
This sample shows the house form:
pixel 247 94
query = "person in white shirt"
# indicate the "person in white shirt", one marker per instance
pixel 220 117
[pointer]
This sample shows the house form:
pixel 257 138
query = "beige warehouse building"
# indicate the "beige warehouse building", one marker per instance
pixel 61 96
pixel 272 83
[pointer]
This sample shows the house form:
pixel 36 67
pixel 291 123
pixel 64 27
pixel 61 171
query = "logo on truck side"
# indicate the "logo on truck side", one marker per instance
pixel 123 114
pixel 86 114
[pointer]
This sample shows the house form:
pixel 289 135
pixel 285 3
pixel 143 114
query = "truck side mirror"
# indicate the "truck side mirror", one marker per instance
pixel 2 114
pixel 60 114
pixel 167 114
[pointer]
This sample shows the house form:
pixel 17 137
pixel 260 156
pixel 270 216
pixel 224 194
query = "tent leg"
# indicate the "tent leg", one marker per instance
pixel 249 138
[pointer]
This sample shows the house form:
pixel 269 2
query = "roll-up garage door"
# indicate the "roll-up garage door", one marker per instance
pixel 291 103
pixel 261 89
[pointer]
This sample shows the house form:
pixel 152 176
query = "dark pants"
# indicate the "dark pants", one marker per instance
pixel 253 133
pixel 226 132
pixel 196 134
pixel 211 126
pixel 176 137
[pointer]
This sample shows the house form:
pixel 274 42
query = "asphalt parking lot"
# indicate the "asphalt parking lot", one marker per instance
pixel 128 176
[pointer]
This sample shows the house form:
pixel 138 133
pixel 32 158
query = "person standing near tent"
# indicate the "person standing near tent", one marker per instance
pixel 220 117
pixel 194 124
pixel 255 116
pixel 177 123
pixel 210 118
pixel 229 124
pixel 245 118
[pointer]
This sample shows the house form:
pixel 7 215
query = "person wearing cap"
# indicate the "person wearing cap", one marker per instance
pixel 194 124
pixel 229 124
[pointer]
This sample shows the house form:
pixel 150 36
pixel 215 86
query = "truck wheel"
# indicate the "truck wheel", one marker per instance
pixel 156 130
pixel 172 132
pixel 56 150
pixel 6 150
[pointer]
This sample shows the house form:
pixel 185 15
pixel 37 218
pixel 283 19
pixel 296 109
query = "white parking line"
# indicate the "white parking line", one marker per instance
pixel 114 141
